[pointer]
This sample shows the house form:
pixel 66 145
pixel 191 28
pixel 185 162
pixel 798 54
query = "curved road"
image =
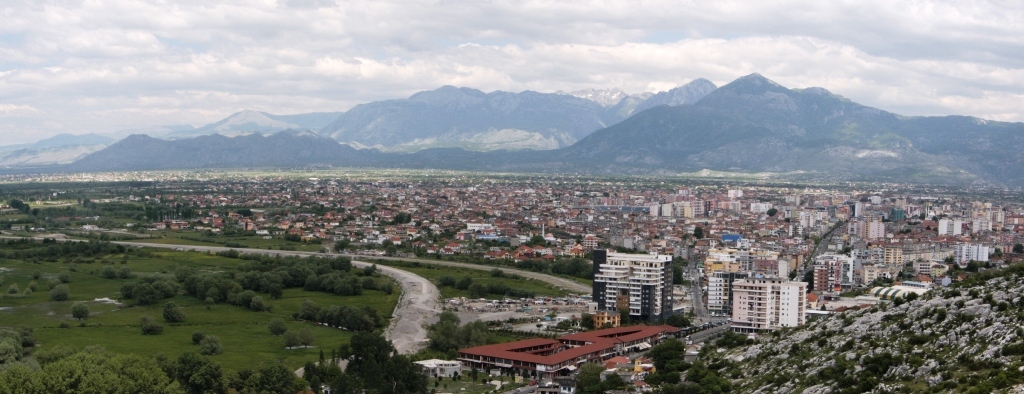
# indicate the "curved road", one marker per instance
pixel 563 283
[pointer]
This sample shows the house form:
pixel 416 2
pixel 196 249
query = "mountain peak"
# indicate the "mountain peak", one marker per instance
pixel 753 84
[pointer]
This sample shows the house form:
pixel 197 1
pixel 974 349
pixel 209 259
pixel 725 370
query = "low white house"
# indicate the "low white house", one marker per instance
pixel 437 367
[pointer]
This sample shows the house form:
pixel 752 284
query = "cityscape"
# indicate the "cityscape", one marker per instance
pixel 529 197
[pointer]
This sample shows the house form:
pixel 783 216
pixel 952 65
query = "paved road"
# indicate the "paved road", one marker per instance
pixel 563 283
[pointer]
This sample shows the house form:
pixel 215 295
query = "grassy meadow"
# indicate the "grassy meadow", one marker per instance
pixel 242 332
pixel 435 272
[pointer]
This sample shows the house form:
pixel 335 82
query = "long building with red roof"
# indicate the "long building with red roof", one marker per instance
pixel 541 356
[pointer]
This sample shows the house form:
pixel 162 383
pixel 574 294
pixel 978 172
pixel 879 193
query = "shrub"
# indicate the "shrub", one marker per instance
pixel 13 289
pixel 109 272
pixel 210 345
pixel 36 275
pixel 80 311
pixel 291 339
pixel 64 277
pixel 124 273
pixel 258 305
pixel 277 327
pixel 172 313
pixel 197 337
pixel 33 286
pixel 149 326
pixel 60 293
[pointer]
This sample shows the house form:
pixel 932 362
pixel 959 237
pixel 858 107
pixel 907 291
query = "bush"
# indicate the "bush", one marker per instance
pixel 60 293
pixel 172 313
pixel 64 277
pixel 109 272
pixel 210 345
pixel 80 311
pixel 277 327
pixel 197 337
pixel 124 273
pixel 447 281
pixel 36 275
pixel 33 286
pixel 64 324
pixel 149 326
pixel 13 289
pixel 464 283
pixel 258 305
pixel 477 290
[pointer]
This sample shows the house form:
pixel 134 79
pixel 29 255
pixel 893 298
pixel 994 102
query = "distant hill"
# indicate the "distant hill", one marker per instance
pixel 248 121
pixel 283 149
pixel 474 120
pixel 59 149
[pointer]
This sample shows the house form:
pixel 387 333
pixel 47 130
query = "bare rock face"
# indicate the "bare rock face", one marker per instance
pixel 951 339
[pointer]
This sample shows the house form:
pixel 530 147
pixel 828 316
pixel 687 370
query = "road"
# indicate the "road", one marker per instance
pixel 563 283
pixel 825 240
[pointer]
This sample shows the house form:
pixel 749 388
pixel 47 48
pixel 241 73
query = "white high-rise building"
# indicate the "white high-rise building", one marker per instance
pixel 875 230
pixel 950 227
pixel 640 283
pixel 964 253
pixel 738 193
pixel 764 304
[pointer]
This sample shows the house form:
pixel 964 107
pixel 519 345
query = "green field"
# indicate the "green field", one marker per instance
pixel 435 272
pixel 243 333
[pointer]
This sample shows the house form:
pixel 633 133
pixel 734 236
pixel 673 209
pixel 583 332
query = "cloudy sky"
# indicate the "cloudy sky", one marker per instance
pixel 103 66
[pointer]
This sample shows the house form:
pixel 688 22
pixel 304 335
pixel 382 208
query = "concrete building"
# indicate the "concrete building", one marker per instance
pixel 439 368
pixel 640 283
pixel 720 290
pixel 950 227
pixel 964 253
pixel 765 304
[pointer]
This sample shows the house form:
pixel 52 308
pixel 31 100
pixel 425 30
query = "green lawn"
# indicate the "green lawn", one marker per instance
pixel 242 332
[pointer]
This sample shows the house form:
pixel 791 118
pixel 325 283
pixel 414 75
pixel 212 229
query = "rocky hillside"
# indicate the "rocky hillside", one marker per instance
pixel 964 339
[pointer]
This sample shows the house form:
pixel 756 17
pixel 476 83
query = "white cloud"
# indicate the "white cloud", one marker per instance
pixel 101 66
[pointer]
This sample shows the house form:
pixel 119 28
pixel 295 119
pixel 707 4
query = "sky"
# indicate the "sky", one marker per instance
pixel 107 66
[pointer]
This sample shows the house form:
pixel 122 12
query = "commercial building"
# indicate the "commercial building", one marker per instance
pixel 542 357
pixel 765 304
pixel 637 282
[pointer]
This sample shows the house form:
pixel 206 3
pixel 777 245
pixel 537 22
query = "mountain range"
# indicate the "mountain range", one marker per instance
pixel 751 125
pixel 59 149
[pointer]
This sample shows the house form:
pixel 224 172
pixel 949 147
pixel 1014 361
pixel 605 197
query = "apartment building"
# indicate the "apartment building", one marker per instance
pixel 637 282
pixel 720 290
pixel 765 304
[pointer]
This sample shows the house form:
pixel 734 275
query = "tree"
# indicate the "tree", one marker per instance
pixel 257 304
pixel 60 293
pixel 678 320
pixel 149 326
pixel 90 371
pixel 64 277
pixel 197 374
pixel 13 289
pixel 80 311
pixel 698 232
pixel 306 336
pixel 370 354
pixel 477 290
pixel 197 337
pixel 587 321
pixel 1018 248
pixel 277 327
pixel 275 290
pixel 464 283
pixel 772 212
pixel 210 345
pixel 172 313
pixel 588 381
pixel 291 339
